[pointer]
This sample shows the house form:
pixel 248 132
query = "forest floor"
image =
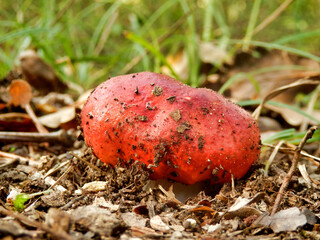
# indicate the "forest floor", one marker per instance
pixel 55 188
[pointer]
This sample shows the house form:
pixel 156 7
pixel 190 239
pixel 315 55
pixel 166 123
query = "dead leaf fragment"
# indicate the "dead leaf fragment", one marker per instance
pixel 210 53
pixel 98 220
pixel 132 219
pixel 157 224
pixel 288 220
pixel 143 231
pixel 58 219
pixel 40 74
pixel 242 213
pixel 283 221
pixel 179 64
pixel 95 186
pixel 63 115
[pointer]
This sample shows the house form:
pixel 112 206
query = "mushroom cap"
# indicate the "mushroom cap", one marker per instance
pixel 176 131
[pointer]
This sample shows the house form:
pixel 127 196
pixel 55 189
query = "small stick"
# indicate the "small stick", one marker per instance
pixel 58 234
pixel 13 156
pixel 35 120
pixel 289 150
pixel 293 167
pixel 58 136
pixel 272 16
pixel 272 157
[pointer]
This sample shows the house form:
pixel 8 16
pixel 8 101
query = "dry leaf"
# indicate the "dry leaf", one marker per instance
pixel 210 53
pixel 292 117
pixel 283 221
pixel 272 70
pixel 39 74
pixel 274 93
pixel 101 202
pixel 179 64
pixel 137 231
pixel 54 120
pixel 243 212
pixel 132 219
pixel 242 202
pixel 95 186
pixel 157 224
pixel 202 209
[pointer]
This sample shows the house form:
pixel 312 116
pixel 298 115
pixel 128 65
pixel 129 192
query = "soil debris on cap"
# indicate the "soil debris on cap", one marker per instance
pixel 142 118
pixel 184 126
pixel 200 142
pixel 157 91
pixel 176 115
pixel 171 99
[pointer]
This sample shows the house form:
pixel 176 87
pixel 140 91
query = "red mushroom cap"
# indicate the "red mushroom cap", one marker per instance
pixel 178 132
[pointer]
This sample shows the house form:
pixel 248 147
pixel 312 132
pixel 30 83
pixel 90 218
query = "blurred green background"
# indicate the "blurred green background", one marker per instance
pixel 89 41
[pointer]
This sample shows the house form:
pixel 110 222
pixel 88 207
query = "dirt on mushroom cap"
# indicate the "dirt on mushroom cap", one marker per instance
pixel 177 132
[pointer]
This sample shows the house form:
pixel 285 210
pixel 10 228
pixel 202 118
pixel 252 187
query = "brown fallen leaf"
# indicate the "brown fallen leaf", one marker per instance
pixel 19 122
pixel 63 115
pixel 40 74
pixel 280 90
pixel 283 221
pixel 202 209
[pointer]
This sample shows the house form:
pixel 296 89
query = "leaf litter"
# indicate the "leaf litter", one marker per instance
pixel 67 193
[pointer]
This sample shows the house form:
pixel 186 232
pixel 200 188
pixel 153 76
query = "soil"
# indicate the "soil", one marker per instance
pixel 93 201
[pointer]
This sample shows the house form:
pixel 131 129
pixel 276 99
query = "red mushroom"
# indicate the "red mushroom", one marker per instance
pixel 177 132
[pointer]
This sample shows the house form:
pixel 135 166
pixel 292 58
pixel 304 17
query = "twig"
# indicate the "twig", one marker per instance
pixel 293 167
pixel 60 14
pixel 61 234
pixel 272 16
pixel 271 158
pixel 34 118
pixel 290 150
pixel 55 137
pixel 13 156
pixel 62 176
pixel 170 195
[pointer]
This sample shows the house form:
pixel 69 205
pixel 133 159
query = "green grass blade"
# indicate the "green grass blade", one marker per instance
pixel 280 47
pixel 164 8
pixel 291 136
pixel 21 33
pixel 222 23
pixel 98 30
pixel 298 37
pixel 155 52
pixel 251 25
pixel 237 78
pixel 191 43
pixel 208 20
pixel 287 133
